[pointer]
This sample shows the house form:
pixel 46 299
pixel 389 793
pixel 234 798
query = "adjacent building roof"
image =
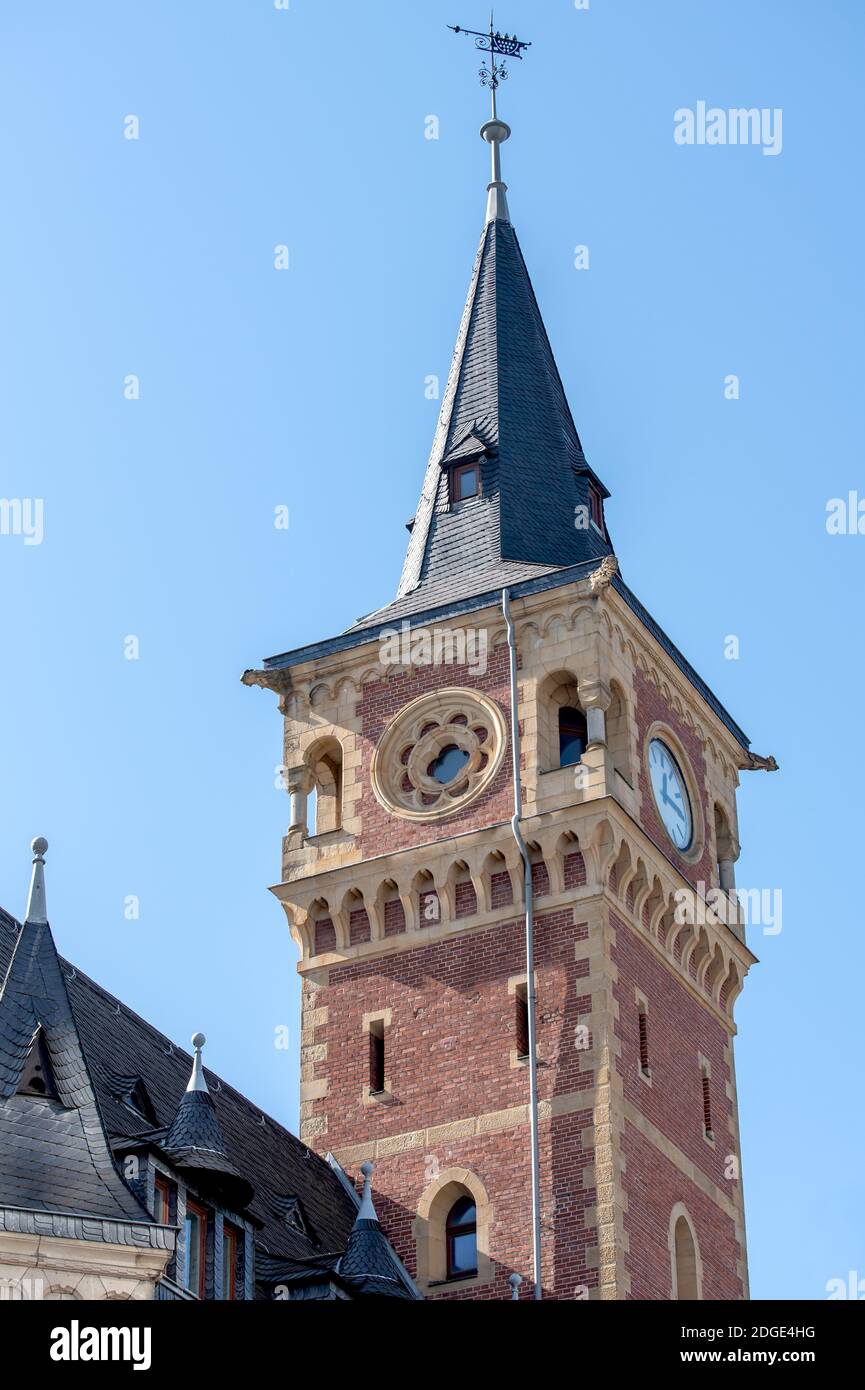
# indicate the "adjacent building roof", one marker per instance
pixel 54 1153
pixel 119 1073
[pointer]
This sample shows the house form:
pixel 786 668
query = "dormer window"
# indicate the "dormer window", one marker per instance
pixel 292 1213
pixel 465 482
pixel 37 1078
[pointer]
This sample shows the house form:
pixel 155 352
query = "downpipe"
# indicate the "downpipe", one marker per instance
pixel 531 994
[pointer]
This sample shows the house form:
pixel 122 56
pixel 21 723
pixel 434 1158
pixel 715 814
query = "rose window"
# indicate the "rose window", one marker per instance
pixel 438 754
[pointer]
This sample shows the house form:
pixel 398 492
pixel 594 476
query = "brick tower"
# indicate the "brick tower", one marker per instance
pixel 405 890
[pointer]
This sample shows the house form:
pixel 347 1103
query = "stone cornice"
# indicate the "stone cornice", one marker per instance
pixel 72 1226
pixel 708 956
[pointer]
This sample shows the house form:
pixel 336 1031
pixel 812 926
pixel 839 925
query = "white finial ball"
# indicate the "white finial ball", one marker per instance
pixel 198 1041
pixel 367 1169
pixel 39 845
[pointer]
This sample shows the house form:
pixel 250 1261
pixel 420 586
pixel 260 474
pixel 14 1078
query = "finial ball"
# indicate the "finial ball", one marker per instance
pixel 367 1169
pixel 39 845
pixel 495 132
pixel 198 1040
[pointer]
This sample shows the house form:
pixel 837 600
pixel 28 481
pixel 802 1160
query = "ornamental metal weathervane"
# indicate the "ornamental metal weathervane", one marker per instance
pixel 495 132
pixel 493 42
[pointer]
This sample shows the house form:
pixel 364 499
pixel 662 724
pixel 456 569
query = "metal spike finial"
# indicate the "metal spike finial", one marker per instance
pixel 35 912
pixel 196 1080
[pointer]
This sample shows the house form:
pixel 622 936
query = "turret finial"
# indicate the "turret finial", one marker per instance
pixel 35 913
pixel 367 1210
pixel 196 1080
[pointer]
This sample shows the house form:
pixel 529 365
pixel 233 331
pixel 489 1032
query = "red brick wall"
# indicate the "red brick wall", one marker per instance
pixel 679 1028
pixel 448 1058
pixel 654 1186
pixel 501 1163
pixel 650 706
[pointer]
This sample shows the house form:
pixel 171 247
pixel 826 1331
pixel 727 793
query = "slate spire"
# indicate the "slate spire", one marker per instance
pixel 54 1152
pixel 368 1263
pixel 195 1142
pixel 505 408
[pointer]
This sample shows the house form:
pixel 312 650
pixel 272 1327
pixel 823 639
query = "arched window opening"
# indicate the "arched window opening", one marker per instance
pixel 685 1255
pixel 324 808
pixel 573 736
pixel 461 1233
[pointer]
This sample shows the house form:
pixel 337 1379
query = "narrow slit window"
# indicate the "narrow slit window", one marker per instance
pixel 376 1058
pixel 195 1228
pixel 707 1107
pixel 230 1253
pixel 521 1005
pixel 643 1023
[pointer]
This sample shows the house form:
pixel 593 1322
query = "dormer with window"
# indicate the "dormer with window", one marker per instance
pixel 593 499
pixel 462 467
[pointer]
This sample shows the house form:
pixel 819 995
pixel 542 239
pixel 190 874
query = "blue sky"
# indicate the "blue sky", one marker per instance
pixel 305 388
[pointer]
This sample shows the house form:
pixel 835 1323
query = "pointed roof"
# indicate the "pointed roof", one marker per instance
pixel 368 1264
pixel 522 531
pixel 194 1141
pixel 54 1153
pixel 504 403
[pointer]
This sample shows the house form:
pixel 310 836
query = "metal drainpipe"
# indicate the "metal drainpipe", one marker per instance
pixel 531 1000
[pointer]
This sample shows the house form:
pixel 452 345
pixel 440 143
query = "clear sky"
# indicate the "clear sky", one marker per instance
pixel 304 388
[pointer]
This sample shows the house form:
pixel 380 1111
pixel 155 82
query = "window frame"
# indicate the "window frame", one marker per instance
pixel 584 732
pixel 201 1213
pixel 596 507
pixel 459 471
pixel 706 1090
pixel 453 1275
pixel 162 1188
pixel 521 1010
pixel 377 1058
pixel 643 1037
pixel 232 1237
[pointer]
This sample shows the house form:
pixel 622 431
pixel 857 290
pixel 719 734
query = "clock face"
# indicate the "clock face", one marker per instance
pixel 671 794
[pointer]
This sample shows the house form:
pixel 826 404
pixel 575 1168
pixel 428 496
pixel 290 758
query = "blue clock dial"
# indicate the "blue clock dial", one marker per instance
pixel 671 794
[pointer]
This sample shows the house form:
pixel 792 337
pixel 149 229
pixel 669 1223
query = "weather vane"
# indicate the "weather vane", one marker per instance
pixel 508 45
pixel 495 131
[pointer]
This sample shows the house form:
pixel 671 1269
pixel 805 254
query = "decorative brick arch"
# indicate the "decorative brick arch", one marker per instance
pixel 686 1265
pixel 429 1228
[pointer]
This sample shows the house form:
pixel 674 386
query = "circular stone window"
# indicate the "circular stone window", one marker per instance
pixel 438 754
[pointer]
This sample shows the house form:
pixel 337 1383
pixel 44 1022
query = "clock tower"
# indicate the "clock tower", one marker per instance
pixel 419 844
